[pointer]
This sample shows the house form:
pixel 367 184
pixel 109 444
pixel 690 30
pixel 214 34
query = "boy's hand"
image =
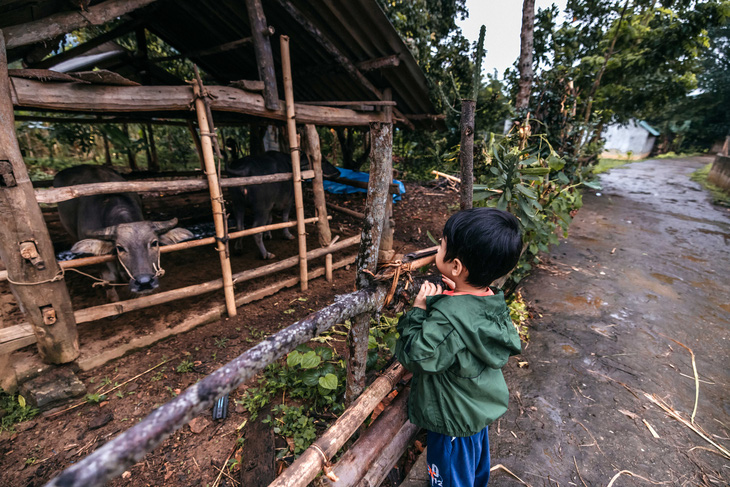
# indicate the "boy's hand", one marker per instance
pixel 427 289
pixel 449 283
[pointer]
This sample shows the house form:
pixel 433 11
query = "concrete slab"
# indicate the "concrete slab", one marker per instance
pixel 52 388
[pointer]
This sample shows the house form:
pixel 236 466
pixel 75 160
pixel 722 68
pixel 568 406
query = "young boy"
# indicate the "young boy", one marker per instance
pixel 456 343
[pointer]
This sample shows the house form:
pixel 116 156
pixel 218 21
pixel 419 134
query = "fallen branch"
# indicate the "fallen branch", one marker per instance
pixel 502 467
pixel 632 474
pixel 697 378
pixel 673 414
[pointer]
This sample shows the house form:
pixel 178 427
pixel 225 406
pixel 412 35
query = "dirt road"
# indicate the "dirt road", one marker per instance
pixel 646 263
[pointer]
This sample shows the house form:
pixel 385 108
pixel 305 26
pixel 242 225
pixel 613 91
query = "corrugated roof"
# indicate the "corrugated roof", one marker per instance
pixel 359 29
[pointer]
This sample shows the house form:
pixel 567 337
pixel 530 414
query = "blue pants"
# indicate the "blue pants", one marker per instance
pixel 457 461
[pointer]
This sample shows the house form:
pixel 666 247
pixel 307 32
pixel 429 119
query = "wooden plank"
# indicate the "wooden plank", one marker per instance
pixel 34 277
pixel 264 54
pixel 64 22
pixel 16 337
pixel 56 195
pixel 71 97
pixel 385 62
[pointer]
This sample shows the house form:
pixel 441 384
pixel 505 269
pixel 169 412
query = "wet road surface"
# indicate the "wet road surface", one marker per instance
pixel 644 269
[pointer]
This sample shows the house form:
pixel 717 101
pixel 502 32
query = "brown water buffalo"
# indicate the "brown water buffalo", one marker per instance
pixel 115 224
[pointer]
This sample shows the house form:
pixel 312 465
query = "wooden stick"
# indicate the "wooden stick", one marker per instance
pixel 264 54
pixel 389 455
pixel 447 176
pixel 216 198
pixel 56 195
pixel 315 156
pixel 378 103
pixel 328 267
pixel 291 128
pixel 307 466
pixel 346 211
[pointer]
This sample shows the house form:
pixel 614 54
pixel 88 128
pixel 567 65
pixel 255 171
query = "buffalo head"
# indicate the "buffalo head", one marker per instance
pixel 136 245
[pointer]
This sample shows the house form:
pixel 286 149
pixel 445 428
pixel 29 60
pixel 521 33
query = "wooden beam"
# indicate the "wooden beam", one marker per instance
pixel 66 193
pixel 380 63
pixel 71 97
pixel 89 45
pixel 338 103
pixel 26 249
pixel 65 22
pixel 228 46
pixel 264 54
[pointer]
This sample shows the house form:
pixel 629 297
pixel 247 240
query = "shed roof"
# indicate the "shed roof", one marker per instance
pixel 358 29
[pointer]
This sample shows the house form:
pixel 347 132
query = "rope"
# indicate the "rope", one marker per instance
pixel 61 274
pixel 327 468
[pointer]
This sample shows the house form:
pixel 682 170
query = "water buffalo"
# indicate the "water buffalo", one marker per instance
pixel 263 199
pixel 114 223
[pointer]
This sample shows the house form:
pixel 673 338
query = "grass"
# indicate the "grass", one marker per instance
pixel 605 165
pixel 719 196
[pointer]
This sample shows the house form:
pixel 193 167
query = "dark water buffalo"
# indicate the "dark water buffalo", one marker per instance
pixel 263 199
pixel 114 223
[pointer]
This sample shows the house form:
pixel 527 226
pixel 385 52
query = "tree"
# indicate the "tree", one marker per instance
pixel 526 47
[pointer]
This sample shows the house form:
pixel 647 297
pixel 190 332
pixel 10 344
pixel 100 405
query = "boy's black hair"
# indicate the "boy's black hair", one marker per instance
pixel 486 240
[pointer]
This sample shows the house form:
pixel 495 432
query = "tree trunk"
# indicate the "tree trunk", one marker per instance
pixel 25 245
pixel 466 154
pixel 526 48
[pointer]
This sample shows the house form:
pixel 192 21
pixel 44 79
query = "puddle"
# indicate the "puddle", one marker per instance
pixel 580 301
pixel 725 236
pixel 664 278
pixel 692 258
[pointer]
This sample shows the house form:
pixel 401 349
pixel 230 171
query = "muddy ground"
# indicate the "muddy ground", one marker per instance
pixel 645 264
pixel 644 269
pixel 42 447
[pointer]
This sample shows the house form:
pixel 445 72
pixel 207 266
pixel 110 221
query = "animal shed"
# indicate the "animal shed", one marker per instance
pixel 342 58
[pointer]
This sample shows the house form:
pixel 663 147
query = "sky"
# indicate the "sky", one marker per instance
pixel 503 19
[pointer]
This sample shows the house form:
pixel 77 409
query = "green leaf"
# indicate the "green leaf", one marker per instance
pixel 526 191
pixel 324 352
pixel 310 378
pixel 535 171
pixel 372 342
pixel 555 163
pixel 310 360
pixel 21 401
pixel 432 238
pixel 293 359
pixel 390 340
pixel 303 349
pixel 329 381
pixel 592 184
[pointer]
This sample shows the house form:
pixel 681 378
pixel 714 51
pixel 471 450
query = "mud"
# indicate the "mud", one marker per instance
pixel 645 267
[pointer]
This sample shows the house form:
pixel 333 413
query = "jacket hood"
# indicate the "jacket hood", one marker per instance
pixel 467 313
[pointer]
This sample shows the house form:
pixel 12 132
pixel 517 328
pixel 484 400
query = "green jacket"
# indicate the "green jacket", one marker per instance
pixel 456 350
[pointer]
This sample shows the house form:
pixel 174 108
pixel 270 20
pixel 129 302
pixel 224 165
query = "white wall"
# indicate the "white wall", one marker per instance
pixel 622 139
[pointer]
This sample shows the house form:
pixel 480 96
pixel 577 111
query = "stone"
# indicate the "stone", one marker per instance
pixel 100 420
pixel 52 388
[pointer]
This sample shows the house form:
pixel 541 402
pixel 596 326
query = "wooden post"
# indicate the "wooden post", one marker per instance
pixel 315 156
pixel 328 267
pixel 381 175
pixel 466 154
pixel 216 198
pixel 130 154
pixel 264 55
pixel 291 127
pixel 386 251
pixel 154 163
pixel 25 246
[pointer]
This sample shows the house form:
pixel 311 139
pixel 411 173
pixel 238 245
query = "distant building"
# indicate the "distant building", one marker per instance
pixel 630 141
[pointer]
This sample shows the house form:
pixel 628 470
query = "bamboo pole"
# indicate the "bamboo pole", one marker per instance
pixel 295 150
pixel 315 156
pixel 115 456
pixel 328 267
pixel 18 336
pixel 100 259
pixel 307 466
pixel 346 211
pixel 115 309
pixel 216 198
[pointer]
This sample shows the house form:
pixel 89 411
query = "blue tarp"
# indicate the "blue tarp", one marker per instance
pixel 339 188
